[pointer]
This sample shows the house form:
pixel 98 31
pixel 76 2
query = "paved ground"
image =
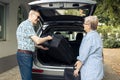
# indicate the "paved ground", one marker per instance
pixel 13 74
pixel 110 74
pixel 111 66
pixel 112 58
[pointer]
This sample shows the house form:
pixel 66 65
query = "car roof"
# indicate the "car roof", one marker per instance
pixel 69 1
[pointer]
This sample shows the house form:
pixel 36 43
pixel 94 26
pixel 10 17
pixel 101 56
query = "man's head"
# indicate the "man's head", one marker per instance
pixel 90 23
pixel 34 16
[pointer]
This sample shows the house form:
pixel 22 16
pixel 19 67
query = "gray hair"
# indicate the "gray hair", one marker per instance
pixel 93 21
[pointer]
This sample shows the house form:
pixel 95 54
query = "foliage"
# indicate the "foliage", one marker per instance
pixel 108 11
pixel 104 30
pixel 72 12
pixel 22 14
pixel 110 35
pixel 111 43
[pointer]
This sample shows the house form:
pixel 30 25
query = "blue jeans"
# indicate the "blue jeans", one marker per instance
pixel 25 62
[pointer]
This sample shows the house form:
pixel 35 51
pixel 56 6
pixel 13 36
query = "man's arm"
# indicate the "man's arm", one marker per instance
pixel 39 40
pixel 41 47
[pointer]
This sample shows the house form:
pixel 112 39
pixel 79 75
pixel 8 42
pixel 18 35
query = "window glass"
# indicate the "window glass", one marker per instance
pixel 2 21
pixel 69 35
pixel 76 12
pixel 22 14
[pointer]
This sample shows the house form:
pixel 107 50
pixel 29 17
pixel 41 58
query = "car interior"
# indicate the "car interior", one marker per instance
pixel 65 24
pixel 63 49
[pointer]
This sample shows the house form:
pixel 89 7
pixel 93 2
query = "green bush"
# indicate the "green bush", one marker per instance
pixel 111 40
pixel 111 43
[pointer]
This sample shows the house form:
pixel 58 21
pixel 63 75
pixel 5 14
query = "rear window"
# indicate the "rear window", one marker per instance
pixel 81 11
pixel 74 12
pixel 69 35
pixel 64 11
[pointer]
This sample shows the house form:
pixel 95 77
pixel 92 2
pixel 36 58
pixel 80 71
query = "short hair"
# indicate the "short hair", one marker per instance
pixel 93 21
pixel 33 11
pixel 35 8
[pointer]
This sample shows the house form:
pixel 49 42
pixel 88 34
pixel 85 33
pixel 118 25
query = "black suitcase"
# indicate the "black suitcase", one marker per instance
pixel 61 50
pixel 68 75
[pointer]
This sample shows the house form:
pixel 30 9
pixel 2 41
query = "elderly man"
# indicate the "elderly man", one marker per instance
pixel 90 59
pixel 27 39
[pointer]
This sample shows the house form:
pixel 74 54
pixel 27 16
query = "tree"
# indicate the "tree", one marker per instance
pixel 108 12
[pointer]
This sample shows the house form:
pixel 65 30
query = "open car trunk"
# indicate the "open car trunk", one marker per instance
pixel 63 48
pixel 63 53
pixel 65 17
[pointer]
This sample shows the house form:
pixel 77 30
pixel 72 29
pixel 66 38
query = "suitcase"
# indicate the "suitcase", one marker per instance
pixel 68 75
pixel 60 50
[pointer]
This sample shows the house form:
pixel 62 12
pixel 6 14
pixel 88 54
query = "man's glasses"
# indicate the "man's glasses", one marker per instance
pixel 38 17
pixel 85 24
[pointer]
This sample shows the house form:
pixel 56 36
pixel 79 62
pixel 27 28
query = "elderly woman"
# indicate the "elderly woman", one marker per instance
pixel 90 59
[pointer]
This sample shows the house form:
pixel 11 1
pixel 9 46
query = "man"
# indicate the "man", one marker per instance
pixel 90 59
pixel 27 39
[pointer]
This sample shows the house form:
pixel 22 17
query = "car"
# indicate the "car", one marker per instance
pixel 62 19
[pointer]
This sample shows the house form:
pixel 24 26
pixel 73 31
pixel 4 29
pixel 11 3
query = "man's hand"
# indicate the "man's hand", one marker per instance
pixel 49 37
pixel 41 47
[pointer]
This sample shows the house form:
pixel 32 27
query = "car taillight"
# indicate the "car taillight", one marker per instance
pixel 37 70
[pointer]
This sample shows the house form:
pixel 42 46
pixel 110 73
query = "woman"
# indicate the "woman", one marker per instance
pixel 90 59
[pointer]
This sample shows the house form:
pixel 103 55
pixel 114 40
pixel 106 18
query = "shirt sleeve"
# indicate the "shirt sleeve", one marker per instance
pixel 30 31
pixel 84 50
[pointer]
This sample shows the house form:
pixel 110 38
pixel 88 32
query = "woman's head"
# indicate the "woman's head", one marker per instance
pixel 90 23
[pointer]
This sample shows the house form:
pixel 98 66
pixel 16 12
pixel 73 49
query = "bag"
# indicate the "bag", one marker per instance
pixel 60 50
pixel 68 75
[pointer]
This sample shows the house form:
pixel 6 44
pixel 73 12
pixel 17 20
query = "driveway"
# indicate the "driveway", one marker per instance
pixel 111 66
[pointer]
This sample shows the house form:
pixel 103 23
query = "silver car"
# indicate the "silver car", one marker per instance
pixel 63 19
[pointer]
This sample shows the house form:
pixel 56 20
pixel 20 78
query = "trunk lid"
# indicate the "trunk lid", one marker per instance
pixel 64 10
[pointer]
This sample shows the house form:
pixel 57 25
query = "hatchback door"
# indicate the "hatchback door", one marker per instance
pixel 64 10
pixel 65 17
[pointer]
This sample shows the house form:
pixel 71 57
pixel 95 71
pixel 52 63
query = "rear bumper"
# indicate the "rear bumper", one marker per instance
pixel 46 77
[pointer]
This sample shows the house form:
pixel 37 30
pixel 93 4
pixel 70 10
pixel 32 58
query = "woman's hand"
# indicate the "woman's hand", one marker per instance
pixel 77 68
pixel 76 72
